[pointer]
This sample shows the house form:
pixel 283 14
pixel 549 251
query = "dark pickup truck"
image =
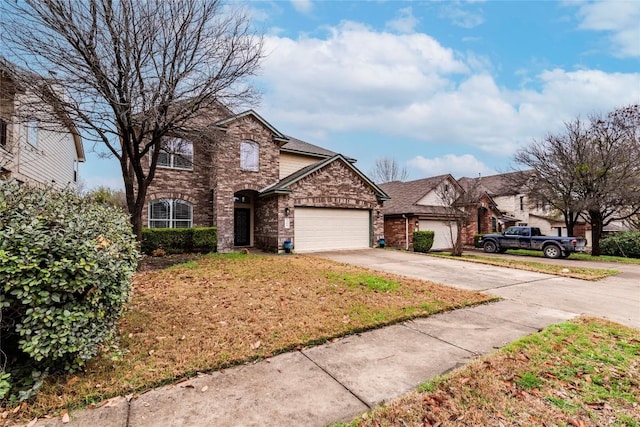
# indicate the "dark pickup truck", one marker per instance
pixel 532 238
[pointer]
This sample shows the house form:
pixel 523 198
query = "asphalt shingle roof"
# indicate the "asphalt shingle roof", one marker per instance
pixel 499 185
pixel 404 196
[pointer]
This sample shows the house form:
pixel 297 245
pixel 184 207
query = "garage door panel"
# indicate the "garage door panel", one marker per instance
pixel 318 229
pixel 442 237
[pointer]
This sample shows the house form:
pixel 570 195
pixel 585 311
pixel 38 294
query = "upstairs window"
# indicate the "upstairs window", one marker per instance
pixel 170 213
pixel 521 203
pixel 33 130
pixel 3 134
pixel 249 156
pixel 176 153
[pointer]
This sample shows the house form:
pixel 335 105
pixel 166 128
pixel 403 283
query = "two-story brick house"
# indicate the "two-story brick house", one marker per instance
pixel 38 145
pixel 261 188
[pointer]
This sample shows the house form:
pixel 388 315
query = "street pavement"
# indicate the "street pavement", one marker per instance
pixel 338 381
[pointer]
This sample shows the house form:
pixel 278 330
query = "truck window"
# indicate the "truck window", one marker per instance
pixel 525 232
pixel 512 231
pixel 536 232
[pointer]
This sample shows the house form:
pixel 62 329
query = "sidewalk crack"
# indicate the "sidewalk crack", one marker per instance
pixel 354 394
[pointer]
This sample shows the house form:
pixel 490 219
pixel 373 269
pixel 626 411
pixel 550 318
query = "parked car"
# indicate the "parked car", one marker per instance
pixel 532 238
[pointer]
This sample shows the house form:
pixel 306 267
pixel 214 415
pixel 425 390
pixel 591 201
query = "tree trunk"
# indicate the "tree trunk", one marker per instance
pixel 457 247
pixel 596 231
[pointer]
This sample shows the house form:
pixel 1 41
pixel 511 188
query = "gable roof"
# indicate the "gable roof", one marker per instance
pixel 282 186
pixel 279 137
pixel 405 195
pixel 504 184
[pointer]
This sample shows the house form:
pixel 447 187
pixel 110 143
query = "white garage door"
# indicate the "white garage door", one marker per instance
pixel 442 237
pixel 320 229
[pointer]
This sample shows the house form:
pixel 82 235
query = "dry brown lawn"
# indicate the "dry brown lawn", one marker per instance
pixel 220 310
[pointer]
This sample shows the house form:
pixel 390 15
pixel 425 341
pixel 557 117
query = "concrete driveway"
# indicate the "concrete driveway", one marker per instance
pixel 616 298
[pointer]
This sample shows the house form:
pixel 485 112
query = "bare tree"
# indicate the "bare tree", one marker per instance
pixel 130 72
pixel 387 170
pixel 609 174
pixel 551 183
pixel 458 203
pixel 592 169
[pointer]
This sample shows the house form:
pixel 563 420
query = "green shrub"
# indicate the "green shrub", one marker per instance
pixel 423 240
pixel 476 240
pixel 626 244
pixel 66 265
pixel 180 240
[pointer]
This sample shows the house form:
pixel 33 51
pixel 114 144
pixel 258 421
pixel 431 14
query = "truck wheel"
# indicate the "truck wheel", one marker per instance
pixel 490 247
pixel 552 251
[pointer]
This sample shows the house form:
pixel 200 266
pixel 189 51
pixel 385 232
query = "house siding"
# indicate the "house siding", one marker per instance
pixel 290 163
pixel 54 159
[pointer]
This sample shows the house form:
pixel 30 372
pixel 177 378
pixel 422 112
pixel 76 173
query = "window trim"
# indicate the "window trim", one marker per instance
pixel 32 132
pixel 252 164
pixel 170 220
pixel 4 133
pixel 173 154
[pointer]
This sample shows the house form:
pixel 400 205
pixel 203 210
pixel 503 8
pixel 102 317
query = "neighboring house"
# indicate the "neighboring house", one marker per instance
pixel 40 147
pixel 261 188
pixel 419 205
pixel 508 191
pixel 483 213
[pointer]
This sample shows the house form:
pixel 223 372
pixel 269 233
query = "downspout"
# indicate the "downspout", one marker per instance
pixel 406 231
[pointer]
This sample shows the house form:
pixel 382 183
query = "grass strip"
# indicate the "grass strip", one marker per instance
pixel 579 257
pixel 583 273
pixel 585 372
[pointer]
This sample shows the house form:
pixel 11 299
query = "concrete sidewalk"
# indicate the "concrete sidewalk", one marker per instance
pixel 328 383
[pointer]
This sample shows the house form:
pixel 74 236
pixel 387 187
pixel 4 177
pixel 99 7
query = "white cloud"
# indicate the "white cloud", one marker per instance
pixel 458 166
pixel 302 6
pixel 460 16
pixel 404 22
pixel 410 86
pixel 621 19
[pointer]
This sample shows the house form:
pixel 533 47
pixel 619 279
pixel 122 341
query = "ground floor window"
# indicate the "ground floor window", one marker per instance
pixel 170 213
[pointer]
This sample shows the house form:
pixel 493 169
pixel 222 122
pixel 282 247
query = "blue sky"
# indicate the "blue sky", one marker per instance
pixel 441 86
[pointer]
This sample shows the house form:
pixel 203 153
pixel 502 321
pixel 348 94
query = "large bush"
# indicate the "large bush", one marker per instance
pixel 180 240
pixel 626 244
pixel 423 240
pixel 66 265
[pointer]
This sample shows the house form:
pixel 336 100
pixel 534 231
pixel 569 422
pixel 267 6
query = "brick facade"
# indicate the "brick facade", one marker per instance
pixel 395 231
pixel 217 177
pixel 482 219
pixel 336 186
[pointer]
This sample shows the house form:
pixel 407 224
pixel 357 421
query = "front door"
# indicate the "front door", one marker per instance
pixel 241 227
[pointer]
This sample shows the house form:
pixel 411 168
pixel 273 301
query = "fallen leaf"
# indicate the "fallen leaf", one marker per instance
pixel 65 418
pixel 32 422
pixel 256 345
pixel 587 378
pixel 205 388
